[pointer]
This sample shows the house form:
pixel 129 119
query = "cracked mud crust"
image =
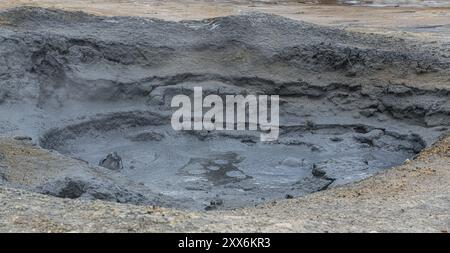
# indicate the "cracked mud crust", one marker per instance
pixel 411 198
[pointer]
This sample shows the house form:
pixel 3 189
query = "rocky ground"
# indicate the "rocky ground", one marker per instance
pixel 411 198
pixel 428 22
pixel 381 93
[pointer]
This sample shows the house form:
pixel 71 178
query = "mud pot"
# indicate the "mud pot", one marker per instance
pixel 98 89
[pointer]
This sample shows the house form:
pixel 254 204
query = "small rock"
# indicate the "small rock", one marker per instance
pixel 68 188
pixel 112 161
pixel 318 172
pixel 289 196
pixel 216 202
pixel 213 204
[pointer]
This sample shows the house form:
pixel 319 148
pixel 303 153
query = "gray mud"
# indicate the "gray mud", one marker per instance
pixel 98 89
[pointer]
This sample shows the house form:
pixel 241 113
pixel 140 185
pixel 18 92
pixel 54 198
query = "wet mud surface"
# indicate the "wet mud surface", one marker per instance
pixel 98 89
